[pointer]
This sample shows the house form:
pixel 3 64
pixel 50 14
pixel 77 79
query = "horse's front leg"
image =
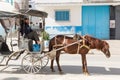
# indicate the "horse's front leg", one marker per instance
pixel 51 66
pixel 84 64
pixel 57 60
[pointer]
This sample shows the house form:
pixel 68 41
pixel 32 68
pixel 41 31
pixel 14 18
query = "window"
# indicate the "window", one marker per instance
pixel 62 15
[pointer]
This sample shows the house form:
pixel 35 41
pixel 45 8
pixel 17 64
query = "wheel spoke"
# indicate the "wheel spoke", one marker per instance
pixel 26 67
pixel 32 63
pixel 29 69
pixel 35 69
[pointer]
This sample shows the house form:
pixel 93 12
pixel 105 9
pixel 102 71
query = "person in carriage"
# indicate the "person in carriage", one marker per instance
pixel 27 32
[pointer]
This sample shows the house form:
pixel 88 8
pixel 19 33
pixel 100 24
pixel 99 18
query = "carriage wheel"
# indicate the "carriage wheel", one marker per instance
pixel 31 63
pixel 44 60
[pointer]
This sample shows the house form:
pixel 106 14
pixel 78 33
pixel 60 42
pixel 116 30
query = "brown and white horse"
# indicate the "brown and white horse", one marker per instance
pixel 80 45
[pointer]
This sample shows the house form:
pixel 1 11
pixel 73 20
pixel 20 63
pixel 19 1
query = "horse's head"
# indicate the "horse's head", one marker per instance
pixel 98 44
pixel 105 49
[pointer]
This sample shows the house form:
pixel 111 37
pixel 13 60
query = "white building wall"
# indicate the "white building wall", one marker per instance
pixel 53 27
pixel 75 15
pixel 21 4
pixel 56 1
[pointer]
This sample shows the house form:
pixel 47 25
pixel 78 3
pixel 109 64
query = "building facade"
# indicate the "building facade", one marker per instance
pixel 98 18
pixel 92 17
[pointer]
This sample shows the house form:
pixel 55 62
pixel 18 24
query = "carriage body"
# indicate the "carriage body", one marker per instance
pixel 19 45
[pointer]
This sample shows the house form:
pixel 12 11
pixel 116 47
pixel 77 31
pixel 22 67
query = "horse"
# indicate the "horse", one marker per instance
pixel 95 44
pixel 73 45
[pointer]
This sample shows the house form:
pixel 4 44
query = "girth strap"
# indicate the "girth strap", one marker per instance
pixel 83 45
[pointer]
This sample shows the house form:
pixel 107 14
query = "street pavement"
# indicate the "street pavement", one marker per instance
pixel 100 67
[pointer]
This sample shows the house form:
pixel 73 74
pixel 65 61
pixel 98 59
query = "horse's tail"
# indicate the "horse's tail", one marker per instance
pixel 50 45
pixel 52 53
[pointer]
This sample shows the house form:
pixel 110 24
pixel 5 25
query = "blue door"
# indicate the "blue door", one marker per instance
pixel 95 21
pixel 88 23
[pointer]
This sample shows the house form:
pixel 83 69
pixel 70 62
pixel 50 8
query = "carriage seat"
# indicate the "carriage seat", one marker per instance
pixel 29 44
pixel 33 46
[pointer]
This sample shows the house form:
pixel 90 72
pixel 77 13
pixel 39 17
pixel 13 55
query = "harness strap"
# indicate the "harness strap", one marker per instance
pixel 84 44
pixel 55 40
pixel 64 41
pixel 85 47
pixel 68 45
pixel 59 45
pixel 80 46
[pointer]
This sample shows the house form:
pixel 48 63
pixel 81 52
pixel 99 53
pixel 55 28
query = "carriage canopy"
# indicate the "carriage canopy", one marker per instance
pixel 31 12
pixel 34 12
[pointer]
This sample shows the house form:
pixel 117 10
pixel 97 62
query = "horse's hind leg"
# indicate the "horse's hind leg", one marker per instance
pixel 51 66
pixel 84 64
pixel 57 60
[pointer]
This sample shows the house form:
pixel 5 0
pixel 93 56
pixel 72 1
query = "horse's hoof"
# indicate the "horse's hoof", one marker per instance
pixel 53 70
pixel 86 73
pixel 61 72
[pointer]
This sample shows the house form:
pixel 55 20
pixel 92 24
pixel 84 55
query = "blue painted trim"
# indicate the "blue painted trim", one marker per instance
pixel 54 30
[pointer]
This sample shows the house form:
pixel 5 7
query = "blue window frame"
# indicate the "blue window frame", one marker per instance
pixel 62 15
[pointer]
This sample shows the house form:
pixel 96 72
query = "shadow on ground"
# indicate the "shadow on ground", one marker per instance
pixel 70 70
pixel 11 78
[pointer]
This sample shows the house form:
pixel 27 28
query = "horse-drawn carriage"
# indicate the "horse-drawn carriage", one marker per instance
pixel 32 62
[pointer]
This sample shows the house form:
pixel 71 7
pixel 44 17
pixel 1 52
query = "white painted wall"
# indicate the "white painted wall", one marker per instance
pixel 56 1
pixel 75 15
pixel 7 7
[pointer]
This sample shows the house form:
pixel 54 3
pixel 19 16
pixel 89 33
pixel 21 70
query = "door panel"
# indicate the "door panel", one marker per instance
pixel 96 21
pixel 102 22
pixel 85 20
pixel 88 21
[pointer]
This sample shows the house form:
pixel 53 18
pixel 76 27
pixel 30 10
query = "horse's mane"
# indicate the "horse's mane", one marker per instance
pixel 92 38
